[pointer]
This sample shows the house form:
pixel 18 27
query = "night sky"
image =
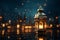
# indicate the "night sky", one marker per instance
pixel 10 9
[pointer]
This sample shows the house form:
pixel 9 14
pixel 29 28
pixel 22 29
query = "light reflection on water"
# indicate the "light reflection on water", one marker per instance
pixel 40 38
pixel 49 35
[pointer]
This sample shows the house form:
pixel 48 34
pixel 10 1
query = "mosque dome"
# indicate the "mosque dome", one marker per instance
pixel 40 13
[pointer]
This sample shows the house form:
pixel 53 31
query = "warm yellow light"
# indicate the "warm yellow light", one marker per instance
pixel 30 26
pixel 45 25
pixel 26 27
pixel 41 38
pixel 18 26
pixel 51 25
pixel 18 31
pixel 20 20
pixel 8 26
pixel 3 25
pixel 40 26
pixel 26 30
pixel 3 31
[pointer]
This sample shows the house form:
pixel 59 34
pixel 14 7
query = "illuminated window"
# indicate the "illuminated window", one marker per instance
pixel 41 25
pixel 28 29
pixel 3 25
pixel 45 25
pixel 18 26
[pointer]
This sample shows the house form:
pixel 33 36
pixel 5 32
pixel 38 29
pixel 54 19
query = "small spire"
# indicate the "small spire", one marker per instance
pixel 40 8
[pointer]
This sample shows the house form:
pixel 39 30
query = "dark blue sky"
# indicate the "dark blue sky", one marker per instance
pixel 12 8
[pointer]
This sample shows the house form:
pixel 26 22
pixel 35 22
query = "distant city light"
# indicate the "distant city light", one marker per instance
pixel 56 17
pixel 18 26
pixel 20 20
pixel 51 25
pixel 57 25
pixel 9 21
pixel 8 37
pixel 8 26
pixel 3 25
pixel 18 31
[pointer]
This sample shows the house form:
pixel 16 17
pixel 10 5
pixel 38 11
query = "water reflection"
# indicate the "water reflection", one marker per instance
pixel 40 38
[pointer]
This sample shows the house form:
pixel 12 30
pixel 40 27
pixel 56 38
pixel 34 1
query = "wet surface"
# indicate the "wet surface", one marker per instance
pixel 40 35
